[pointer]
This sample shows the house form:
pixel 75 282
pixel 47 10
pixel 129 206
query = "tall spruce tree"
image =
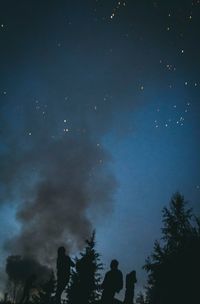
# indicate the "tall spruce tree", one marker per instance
pixel 85 280
pixel 174 265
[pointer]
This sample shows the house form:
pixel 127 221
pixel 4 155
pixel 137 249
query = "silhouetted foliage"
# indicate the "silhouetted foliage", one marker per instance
pixel 28 287
pixel 174 265
pixel 140 299
pixel 21 271
pixel 44 294
pixel 84 286
pixel 173 270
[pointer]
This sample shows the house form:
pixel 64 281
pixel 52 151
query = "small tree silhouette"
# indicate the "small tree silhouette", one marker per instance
pixel 174 265
pixel 140 299
pixel 84 286
pixel 45 293
pixel 15 279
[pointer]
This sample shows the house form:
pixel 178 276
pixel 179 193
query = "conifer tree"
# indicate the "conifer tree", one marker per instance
pixel 84 286
pixel 174 265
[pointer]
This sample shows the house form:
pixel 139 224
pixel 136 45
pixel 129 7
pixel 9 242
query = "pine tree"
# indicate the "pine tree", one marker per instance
pixel 84 287
pixel 174 263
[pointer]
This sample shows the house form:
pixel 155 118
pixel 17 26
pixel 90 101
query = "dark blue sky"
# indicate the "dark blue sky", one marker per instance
pixel 100 118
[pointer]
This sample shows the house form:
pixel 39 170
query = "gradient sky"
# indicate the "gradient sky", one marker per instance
pixel 119 80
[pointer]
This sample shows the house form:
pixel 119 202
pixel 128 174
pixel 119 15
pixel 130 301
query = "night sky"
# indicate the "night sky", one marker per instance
pixel 99 124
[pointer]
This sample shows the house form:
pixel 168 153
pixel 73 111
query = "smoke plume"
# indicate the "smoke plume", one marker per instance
pixel 55 170
pixel 59 182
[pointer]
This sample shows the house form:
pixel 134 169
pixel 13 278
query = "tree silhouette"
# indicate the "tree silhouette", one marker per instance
pixel 140 299
pixel 84 286
pixel 16 277
pixel 44 294
pixel 174 265
pixel 25 275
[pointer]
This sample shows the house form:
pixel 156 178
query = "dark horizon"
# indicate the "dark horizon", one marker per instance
pixel 173 259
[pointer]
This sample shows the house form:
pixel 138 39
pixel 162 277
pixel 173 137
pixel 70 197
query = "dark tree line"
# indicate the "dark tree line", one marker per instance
pixel 173 268
pixel 84 284
pixel 174 265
